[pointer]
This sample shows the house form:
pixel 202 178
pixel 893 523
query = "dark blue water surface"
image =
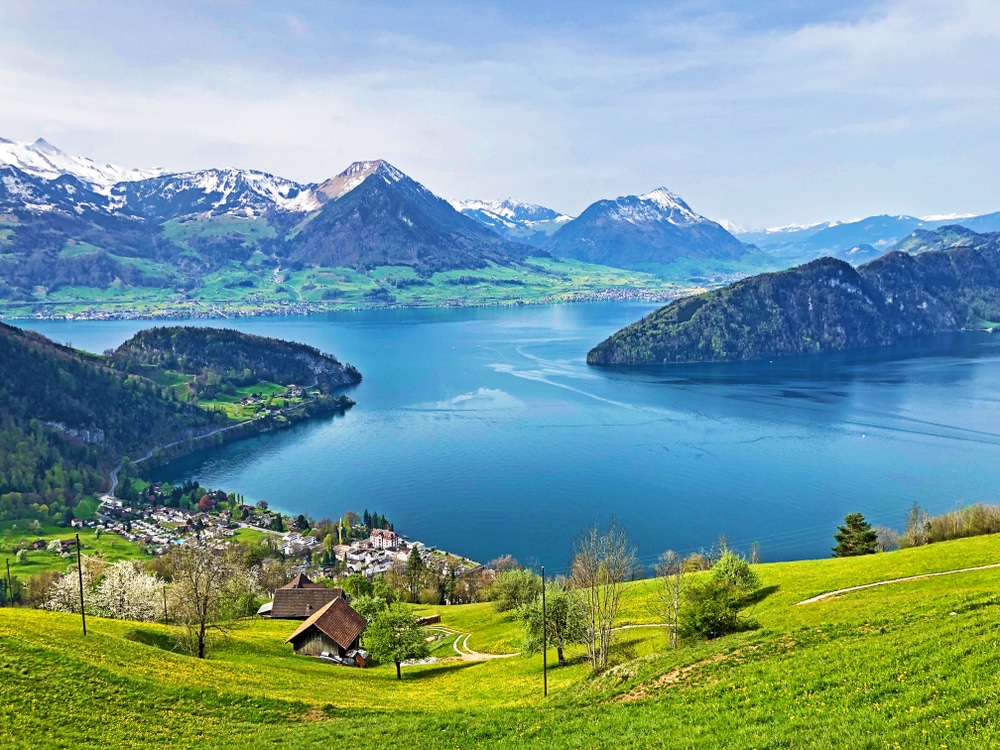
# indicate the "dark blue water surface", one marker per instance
pixel 484 432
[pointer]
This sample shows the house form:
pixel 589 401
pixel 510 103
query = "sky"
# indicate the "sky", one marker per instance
pixel 764 113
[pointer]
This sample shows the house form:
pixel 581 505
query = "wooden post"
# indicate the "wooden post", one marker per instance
pixel 10 585
pixel 545 630
pixel 79 572
pixel 164 603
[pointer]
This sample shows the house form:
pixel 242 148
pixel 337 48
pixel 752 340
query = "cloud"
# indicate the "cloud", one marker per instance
pixel 765 117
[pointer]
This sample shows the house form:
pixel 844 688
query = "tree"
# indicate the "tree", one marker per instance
pixel 855 537
pixel 514 589
pixel 918 525
pixel 127 593
pixel 210 593
pixel 674 578
pixel 395 636
pixel 564 621
pixel 603 561
pixel 735 570
pixel 712 607
pixel 356 585
pixel 414 574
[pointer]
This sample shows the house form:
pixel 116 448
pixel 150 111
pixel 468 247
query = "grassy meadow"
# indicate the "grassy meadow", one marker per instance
pixel 237 289
pixel 909 665
pixel 109 547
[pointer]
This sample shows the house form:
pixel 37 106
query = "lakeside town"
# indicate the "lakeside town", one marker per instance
pixel 356 547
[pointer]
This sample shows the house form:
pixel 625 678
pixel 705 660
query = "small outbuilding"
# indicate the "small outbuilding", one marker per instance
pixel 334 629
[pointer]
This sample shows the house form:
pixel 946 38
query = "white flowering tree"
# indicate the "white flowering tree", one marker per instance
pixel 64 594
pixel 127 593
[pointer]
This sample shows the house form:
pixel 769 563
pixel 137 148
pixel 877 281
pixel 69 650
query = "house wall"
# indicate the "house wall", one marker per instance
pixel 314 642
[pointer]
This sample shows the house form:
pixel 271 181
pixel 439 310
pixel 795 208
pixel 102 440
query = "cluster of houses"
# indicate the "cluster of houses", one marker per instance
pixel 158 527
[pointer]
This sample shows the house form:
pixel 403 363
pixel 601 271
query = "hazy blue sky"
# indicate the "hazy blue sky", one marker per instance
pixel 783 112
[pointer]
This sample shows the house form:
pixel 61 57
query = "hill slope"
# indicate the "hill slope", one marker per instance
pixel 825 305
pixel 67 416
pixel 912 663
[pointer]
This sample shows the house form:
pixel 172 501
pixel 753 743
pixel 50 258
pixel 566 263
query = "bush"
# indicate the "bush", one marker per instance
pixel 514 589
pixel 735 570
pixel 712 609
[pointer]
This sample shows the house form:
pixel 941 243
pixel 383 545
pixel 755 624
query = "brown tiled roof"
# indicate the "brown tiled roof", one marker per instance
pixel 301 581
pixel 296 604
pixel 337 620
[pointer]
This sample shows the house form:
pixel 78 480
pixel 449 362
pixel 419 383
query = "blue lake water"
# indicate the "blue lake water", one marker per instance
pixel 484 432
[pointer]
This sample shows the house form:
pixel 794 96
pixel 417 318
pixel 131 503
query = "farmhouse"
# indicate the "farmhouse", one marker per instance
pixel 334 629
pixel 299 599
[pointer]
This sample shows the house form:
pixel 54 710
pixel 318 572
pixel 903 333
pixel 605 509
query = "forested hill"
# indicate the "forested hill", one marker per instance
pixel 64 418
pixel 822 306
pixel 236 358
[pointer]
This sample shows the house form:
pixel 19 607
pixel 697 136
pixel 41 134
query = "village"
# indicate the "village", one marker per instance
pixel 157 527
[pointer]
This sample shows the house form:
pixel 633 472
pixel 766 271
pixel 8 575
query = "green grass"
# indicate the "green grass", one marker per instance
pixel 109 547
pixel 75 249
pixel 885 667
pixel 237 289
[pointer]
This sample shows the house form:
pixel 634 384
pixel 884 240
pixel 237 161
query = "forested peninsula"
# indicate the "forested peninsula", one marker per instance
pixel 944 281
pixel 67 416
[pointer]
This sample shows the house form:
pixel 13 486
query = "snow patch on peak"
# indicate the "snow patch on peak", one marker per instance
pixel 511 210
pixel 657 205
pixel 666 199
pixel 946 217
pixel 43 160
pixel 354 175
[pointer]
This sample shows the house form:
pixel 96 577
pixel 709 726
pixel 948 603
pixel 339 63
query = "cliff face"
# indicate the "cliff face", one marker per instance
pixel 822 306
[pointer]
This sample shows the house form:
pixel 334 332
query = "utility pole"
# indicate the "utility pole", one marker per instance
pixel 10 585
pixel 79 572
pixel 545 650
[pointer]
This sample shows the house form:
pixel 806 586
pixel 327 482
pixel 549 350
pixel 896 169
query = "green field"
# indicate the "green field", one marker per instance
pixel 238 289
pixel 109 547
pixel 910 665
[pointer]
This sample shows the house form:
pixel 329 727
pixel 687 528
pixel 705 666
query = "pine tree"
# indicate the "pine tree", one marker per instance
pixel 855 537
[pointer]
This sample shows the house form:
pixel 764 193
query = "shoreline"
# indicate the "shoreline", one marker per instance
pixel 217 312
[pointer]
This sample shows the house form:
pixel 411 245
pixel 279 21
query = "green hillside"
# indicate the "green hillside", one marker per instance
pixel 822 306
pixel 912 664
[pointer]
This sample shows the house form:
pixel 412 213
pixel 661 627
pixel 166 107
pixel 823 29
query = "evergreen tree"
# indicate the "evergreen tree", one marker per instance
pixel 415 570
pixel 855 537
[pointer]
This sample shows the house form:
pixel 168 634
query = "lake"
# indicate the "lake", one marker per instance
pixel 484 432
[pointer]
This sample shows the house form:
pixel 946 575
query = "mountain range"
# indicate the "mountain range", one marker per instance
pixel 854 241
pixel 948 281
pixel 72 228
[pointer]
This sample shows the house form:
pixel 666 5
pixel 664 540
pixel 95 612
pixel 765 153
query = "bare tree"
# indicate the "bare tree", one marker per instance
pixel 210 593
pixel 603 561
pixel 673 575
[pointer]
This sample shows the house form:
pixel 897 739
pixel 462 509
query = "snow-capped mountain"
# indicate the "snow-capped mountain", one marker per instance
pixel 356 174
pixel 515 220
pixel 43 160
pixel 374 215
pixel 64 194
pixel 654 228
pixel 236 192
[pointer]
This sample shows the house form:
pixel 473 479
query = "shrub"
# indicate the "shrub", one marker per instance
pixel 735 570
pixel 514 589
pixel 712 609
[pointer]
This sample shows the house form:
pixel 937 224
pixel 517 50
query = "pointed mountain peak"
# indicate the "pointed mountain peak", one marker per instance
pixel 665 198
pixel 45 147
pixel 354 175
